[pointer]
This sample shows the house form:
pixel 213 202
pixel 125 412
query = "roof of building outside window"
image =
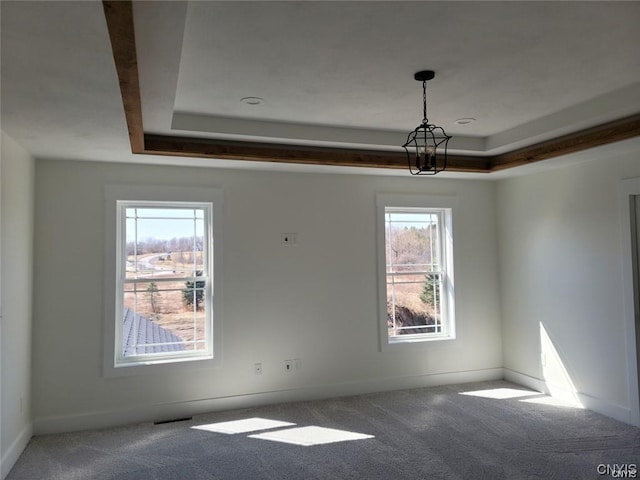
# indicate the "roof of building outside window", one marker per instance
pixel 149 332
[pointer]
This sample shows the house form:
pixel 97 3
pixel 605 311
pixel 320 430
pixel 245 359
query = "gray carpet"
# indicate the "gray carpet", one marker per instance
pixel 431 433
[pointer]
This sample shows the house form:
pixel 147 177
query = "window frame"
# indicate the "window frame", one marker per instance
pixel 117 199
pixel 445 206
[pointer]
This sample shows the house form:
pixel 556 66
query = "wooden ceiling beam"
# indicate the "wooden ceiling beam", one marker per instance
pixel 284 153
pixel 610 132
pixel 119 16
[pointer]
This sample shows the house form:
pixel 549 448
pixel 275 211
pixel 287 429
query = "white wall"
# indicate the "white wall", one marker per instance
pixel 17 183
pixel 315 302
pixel 561 266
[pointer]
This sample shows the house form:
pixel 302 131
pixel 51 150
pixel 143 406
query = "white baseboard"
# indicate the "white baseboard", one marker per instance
pixel 14 451
pixel 525 380
pixel 608 409
pixel 595 404
pixel 165 411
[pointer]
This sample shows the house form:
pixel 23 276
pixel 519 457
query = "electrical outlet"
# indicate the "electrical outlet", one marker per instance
pixel 297 364
pixel 257 369
pixel 288 366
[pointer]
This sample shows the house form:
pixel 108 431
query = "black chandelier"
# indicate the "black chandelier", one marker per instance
pixel 426 146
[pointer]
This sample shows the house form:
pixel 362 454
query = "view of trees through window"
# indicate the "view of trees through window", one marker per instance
pixel 165 274
pixel 413 271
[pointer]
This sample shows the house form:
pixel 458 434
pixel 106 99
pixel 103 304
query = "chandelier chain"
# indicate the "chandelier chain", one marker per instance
pixel 424 102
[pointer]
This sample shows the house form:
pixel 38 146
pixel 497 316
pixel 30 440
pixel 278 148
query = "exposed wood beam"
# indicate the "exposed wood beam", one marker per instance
pixel 119 16
pixel 283 153
pixel 610 132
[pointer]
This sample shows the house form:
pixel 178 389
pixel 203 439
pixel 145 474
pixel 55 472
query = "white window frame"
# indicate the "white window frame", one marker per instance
pixel 445 206
pixel 117 199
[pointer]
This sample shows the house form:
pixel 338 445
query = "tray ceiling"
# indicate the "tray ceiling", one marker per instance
pixel 541 79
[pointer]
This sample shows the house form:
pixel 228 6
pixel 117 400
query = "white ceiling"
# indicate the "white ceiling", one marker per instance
pixel 331 73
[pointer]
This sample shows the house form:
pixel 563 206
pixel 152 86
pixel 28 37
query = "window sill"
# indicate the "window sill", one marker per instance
pixel 163 365
pixel 393 343
pixel 419 338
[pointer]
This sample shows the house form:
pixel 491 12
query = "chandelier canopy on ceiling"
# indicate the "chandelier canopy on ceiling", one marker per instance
pixel 426 146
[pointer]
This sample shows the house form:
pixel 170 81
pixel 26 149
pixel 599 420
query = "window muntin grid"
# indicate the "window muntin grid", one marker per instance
pixel 165 289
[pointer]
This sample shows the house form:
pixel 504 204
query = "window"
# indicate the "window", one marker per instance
pixel 162 269
pixel 416 269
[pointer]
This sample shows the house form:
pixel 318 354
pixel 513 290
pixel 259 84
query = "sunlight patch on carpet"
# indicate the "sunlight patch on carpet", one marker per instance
pixel 501 393
pixel 243 426
pixel 308 436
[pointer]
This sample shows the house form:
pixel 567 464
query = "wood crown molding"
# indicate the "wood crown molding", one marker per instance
pixel 119 17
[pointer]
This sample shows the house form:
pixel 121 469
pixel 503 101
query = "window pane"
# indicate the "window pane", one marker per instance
pixel 414 301
pixel 165 242
pixel 411 241
pixel 161 317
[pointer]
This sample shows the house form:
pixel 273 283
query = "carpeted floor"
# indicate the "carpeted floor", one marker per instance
pixel 431 433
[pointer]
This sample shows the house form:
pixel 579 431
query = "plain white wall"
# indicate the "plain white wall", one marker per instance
pixel 315 301
pixel 561 265
pixel 17 190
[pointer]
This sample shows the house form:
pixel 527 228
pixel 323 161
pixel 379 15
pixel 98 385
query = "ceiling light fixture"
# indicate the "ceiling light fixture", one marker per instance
pixel 252 101
pixel 426 146
pixel 464 121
